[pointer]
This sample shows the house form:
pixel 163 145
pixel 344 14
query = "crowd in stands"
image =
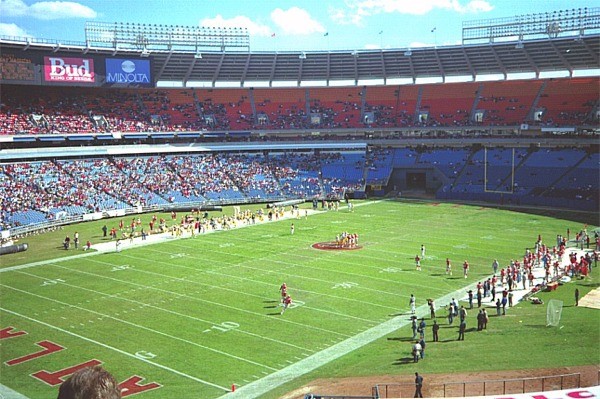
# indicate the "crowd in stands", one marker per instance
pixel 47 110
pixel 33 192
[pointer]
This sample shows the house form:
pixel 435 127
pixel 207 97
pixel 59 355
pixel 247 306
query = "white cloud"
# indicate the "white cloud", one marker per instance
pixel 359 9
pixel 46 10
pixel 60 9
pixel 353 16
pixel 13 8
pixel 296 21
pixel 12 30
pixel 239 21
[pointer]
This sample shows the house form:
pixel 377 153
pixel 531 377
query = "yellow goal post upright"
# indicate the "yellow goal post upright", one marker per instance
pixel 494 189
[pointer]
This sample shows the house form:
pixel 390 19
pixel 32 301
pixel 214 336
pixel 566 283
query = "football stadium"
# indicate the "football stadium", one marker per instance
pixel 184 217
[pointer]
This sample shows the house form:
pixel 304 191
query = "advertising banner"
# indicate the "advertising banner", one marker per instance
pixel 69 70
pixel 128 71
pixel 17 68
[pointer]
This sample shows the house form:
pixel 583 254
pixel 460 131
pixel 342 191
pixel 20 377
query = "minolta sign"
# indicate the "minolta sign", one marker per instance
pixel 129 72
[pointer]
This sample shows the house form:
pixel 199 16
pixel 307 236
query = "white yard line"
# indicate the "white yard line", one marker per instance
pixel 288 265
pixel 259 387
pixel 208 322
pixel 279 377
pixel 135 325
pixel 45 262
pixel 201 299
pixel 122 352
pixel 219 273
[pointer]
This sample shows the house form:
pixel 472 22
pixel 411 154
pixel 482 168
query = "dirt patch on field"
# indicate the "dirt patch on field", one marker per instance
pixel 334 246
pixel 433 386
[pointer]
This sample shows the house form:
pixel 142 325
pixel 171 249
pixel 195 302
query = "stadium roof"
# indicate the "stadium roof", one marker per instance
pixel 246 68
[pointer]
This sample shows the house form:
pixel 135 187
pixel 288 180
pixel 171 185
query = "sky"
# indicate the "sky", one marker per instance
pixel 308 25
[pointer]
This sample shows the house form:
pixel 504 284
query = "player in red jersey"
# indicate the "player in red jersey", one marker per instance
pixel 466 269
pixel 448 266
pixel 418 262
pixel 287 302
pixel 283 290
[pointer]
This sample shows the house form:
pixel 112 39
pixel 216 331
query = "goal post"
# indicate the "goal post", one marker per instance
pixel 511 176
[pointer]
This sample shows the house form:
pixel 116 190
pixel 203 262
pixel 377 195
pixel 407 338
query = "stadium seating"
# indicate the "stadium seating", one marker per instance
pixel 568 102
pixel 70 110
pixel 507 102
pixel 448 104
pixel 33 192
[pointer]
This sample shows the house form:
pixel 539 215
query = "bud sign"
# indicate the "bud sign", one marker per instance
pixel 69 70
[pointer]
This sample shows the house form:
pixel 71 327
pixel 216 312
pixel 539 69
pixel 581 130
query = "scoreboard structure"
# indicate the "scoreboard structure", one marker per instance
pixel 71 69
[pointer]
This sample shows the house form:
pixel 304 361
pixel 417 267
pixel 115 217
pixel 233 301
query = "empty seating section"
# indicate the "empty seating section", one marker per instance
pixel 470 178
pixel 550 177
pixel 448 104
pixel 568 102
pixel 542 168
pixel 379 166
pixel 449 161
pixel 64 110
pixel 580 182
pixel 507 102
pixel 348 166
pixel 404 157
pixel 500 164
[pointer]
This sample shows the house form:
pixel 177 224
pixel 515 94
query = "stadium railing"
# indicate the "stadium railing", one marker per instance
pixel 482 388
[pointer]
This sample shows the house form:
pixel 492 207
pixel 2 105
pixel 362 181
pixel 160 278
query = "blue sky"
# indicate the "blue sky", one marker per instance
pixel 279 25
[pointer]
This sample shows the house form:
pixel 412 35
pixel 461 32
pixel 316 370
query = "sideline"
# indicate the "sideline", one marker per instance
pixel 7 393
pixel 108 247
pixel 260 387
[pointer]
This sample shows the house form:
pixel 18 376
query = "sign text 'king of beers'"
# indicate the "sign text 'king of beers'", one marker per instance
pixel 69 70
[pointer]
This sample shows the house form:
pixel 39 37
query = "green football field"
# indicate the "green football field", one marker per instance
pixel 188 318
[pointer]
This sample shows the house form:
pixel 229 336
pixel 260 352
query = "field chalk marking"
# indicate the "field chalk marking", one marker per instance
pixel 115 349
pixel 7 393
pixel 260 387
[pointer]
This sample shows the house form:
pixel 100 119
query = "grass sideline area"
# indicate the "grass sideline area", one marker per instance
pixel 197 315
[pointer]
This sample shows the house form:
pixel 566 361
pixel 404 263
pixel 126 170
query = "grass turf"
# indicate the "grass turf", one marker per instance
pixel 197 315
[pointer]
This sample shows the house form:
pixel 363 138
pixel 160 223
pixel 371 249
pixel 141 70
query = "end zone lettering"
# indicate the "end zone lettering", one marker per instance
pixel 126 71
pixel 59 69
